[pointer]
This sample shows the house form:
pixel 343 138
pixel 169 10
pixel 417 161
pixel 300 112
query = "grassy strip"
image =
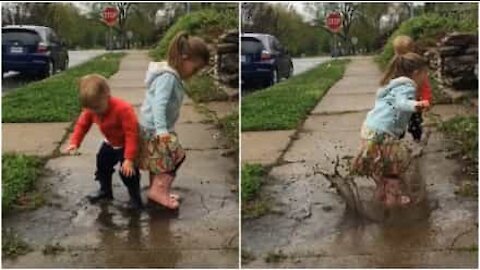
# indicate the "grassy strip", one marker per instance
pixel 19 173
pixel 252 175
pixel 55 99
pixel 202 88
pixel 13 245
pixel 463 131
pixel 285 105
pixel 252 179
pixel 229 127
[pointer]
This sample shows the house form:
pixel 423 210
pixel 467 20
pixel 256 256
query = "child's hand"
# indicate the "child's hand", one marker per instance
pixel 424 104
pixel 71 150
pixel 165 138
pixel 127 168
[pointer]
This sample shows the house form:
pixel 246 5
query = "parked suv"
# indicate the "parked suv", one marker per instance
pixel 32 49
pixel 264 60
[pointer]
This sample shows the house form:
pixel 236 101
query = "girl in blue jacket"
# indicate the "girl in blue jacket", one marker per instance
pixel 160 151
pixel 383 156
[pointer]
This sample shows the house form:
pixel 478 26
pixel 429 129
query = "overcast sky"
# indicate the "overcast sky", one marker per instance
pixel 299 7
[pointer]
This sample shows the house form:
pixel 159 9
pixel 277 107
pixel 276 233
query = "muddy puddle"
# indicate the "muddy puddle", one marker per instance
pixel 68 231
pixel 313 223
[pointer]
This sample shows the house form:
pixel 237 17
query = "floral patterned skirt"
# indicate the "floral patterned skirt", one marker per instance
pixel 381 155
pixel 157 156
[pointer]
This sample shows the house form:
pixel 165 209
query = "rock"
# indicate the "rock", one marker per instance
pixel 472 50
pixel 450 50
pixel 454 61
pixel 459 39
pixel 227 48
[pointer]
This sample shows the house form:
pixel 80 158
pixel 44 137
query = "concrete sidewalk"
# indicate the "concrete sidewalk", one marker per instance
pixel 204 233
pixel 307 225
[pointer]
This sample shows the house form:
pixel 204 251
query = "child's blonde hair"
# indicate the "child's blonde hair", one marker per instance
pixel 92 87
pixel 403 65
pixel 403 44
pixel 184 47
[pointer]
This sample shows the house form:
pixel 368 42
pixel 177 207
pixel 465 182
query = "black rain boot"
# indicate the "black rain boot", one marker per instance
pixel 415 126
pixel 104 193
pixel 133 186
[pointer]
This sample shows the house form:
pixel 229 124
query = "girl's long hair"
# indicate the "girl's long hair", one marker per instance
pixel 403 66
pixel 183 46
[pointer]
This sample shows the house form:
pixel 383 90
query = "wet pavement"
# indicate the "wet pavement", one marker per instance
pixel 69 232
pixel 308 224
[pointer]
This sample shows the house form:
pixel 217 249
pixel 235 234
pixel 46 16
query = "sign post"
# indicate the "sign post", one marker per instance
pixel 109 17
pixel 334 23
pixel 354 42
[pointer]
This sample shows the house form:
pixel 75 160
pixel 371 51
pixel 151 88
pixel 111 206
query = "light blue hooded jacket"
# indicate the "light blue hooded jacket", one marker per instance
pixel 165 91
pixel 394 106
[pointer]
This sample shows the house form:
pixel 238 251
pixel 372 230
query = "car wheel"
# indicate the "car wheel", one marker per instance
pixel 50 70
pixel 275 78
pixel 290 71
pixel 65 64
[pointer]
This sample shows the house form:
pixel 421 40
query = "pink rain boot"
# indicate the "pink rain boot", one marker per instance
pixel 158 192
pixel 173 196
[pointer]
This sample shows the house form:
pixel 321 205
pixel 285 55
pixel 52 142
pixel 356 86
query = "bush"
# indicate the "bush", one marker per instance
pixel 202 88
pixel 19 173
pixel 207 24
pixel 426 31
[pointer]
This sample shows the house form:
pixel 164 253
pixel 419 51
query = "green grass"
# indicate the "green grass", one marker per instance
pixel 253 205
pixel 438 96
pixel 13 245
pixel 202 88
pixel 426 30
pixel 54 99
pixel 286 105
pixel 229 127
pixel 208 24
pixel 252 175
pixel 463 131
pixel 19 174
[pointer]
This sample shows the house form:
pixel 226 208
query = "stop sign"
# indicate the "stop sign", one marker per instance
pixel 110 15
pixel 334 21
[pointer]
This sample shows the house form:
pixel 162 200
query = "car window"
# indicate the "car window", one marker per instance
pixel 24 37
pixel 277 45
pixel 251 45
pixel 52 37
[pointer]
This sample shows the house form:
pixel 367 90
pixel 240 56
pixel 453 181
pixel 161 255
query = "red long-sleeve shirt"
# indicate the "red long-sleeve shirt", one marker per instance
pixel 426 90
pixel 119 125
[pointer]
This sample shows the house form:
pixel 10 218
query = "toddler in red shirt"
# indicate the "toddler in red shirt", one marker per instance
pixel 117 121
pixel 402 45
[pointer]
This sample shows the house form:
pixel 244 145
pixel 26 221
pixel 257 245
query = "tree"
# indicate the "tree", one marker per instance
pixel 287 25
pixel 123 15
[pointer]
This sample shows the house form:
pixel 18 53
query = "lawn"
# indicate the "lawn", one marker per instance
pixel 463 132
pixel 55 99
pixel 253 205
pixel 19 173
pixel 285 105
